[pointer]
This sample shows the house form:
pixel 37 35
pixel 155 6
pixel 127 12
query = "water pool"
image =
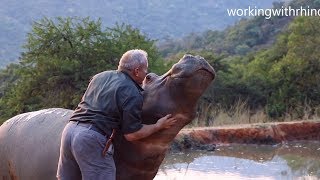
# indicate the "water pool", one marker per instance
pixel 295 160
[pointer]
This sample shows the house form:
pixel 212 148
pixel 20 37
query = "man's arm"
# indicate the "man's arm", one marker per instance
pixel 146 130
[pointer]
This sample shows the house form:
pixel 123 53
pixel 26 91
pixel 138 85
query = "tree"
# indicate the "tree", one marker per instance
pixel 297 73
pixel 62 55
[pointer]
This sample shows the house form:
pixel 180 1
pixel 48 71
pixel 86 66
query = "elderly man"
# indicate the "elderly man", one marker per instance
pixel 112 102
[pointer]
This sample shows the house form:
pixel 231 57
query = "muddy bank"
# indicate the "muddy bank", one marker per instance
pixel 268 133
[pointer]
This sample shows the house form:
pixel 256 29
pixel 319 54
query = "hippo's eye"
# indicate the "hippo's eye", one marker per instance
pixel 148 77
pixel 176 69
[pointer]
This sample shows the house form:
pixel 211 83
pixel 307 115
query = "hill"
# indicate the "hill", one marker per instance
pixel 156 19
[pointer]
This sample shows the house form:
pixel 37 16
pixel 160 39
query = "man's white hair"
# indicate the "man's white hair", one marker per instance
pixel 133 59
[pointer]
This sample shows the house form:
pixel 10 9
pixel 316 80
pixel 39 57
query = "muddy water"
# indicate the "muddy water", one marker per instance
pixel 297 160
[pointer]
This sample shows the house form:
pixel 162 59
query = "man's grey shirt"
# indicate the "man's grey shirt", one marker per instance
pixel 113 100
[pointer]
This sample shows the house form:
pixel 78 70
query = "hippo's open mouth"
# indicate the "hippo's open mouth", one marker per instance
pixel 190 65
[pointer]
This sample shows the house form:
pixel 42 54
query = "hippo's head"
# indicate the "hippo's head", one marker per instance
pixel 176 92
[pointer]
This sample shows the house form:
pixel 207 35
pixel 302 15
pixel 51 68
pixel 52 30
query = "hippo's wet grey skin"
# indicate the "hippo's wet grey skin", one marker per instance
pixel 30 142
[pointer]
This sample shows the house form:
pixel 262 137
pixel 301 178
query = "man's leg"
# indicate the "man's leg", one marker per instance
pixel 87 149
pixel 68 168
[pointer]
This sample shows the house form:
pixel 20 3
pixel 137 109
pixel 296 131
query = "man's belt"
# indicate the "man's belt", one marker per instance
pixel 90 125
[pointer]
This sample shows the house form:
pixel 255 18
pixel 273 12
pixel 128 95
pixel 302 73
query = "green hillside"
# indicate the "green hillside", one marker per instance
pixel 269 65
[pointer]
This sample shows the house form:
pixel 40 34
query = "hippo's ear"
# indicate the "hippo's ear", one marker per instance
pixel 200 57
pixel 187 56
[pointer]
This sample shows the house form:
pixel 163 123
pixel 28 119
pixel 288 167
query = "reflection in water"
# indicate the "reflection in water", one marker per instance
pixel 297 160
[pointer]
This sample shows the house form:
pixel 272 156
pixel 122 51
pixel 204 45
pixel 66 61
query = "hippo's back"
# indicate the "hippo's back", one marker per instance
pixel 30 144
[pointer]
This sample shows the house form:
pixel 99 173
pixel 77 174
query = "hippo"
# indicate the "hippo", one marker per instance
pixel 30 142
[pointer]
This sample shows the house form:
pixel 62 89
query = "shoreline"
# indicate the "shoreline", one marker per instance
pixel 206 138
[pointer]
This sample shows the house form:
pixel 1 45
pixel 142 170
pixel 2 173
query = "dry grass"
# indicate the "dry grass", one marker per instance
pixel 213 115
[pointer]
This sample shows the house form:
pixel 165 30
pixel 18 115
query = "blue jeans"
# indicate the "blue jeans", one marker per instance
pixel 81 154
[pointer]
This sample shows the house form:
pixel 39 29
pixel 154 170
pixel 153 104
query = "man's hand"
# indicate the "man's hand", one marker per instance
pixel 146 130
pixel 166 122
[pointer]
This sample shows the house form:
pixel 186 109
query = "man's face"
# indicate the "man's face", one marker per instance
pixel 141 73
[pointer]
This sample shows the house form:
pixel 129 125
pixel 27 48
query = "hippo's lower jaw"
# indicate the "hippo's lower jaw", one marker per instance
pixel 151 151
